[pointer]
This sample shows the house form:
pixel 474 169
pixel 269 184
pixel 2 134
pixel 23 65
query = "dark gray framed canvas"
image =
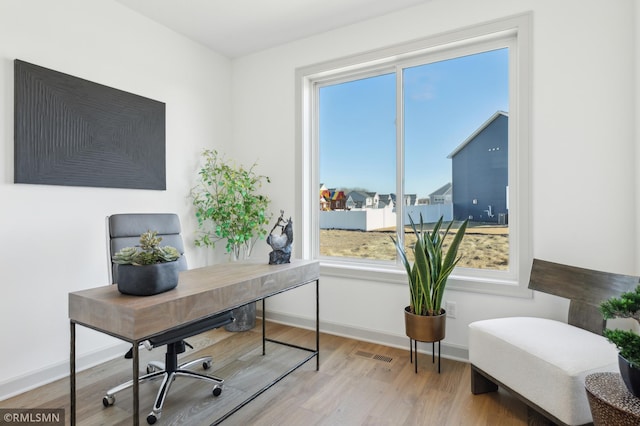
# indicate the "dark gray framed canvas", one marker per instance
pixel 71 131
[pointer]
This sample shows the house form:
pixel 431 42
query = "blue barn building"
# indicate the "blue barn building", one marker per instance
pixel 480 173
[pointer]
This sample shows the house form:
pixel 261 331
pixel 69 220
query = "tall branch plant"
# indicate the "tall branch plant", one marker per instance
pixel 228 205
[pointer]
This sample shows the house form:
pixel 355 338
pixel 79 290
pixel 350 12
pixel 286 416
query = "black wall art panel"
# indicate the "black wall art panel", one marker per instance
pixel 70 131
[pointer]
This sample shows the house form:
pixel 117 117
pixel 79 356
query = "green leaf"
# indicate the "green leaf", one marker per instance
pixel 431 268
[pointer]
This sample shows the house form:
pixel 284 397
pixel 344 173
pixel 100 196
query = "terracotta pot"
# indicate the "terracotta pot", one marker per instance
pixel 630 376
pixel 425 328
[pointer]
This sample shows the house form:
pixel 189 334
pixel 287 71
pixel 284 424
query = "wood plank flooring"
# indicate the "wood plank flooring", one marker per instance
pixel 359 383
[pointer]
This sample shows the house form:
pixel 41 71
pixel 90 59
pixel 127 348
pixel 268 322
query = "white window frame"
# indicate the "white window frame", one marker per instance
pixel 513 32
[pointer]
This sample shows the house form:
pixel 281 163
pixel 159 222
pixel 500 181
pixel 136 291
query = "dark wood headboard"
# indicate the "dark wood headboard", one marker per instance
pixel 585 288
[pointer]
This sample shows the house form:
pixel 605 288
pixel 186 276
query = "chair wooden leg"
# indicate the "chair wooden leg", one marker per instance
pixel 536 419
pixel 480 384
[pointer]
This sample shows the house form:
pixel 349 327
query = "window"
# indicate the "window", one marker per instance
pixel 435 128
pixel 357 149
pixel 455 120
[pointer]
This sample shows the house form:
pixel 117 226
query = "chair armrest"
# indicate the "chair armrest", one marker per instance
pixel 191 329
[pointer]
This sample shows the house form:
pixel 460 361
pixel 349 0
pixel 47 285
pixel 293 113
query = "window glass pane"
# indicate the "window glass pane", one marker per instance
pixel 456 146
pixel 357 146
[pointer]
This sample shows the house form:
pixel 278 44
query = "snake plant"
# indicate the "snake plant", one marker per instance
pixel 428 274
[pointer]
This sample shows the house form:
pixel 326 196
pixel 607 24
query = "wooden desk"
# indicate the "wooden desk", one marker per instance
pixel 200 293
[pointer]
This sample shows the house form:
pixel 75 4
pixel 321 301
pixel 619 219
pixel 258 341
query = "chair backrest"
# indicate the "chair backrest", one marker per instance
pixel 585 288
pixel 123 230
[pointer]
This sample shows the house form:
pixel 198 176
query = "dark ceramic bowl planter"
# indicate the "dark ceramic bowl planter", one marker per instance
pixel 630 376
pixel 147 280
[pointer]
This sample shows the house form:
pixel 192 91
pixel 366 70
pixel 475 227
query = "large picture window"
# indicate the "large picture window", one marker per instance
pixel 438 129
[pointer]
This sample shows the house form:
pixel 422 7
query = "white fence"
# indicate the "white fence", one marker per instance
pixel 373 219
pixel 430 213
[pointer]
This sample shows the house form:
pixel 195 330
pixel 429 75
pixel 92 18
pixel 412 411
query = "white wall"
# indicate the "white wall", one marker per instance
pixel 53 237
pixel 637 135
pixel 583 147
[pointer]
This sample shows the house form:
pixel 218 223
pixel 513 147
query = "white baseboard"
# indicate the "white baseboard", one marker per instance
pixel 42 376
pixel 448 351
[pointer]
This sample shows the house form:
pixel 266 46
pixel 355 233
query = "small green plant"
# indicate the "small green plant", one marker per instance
pixel 428 275
pixel 627 342
pixel 148 252
pixel 227 204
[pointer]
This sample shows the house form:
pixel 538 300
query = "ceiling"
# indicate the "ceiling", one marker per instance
pixel 239 27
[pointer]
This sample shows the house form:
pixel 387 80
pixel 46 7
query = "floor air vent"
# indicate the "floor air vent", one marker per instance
pixel 373 356
pixel 383 358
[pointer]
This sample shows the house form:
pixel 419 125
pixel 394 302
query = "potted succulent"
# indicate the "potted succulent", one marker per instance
pixel 427 277
pixel 229 207
pixel 148 268
pixel 627 341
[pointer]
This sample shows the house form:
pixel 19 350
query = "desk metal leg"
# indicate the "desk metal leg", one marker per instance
pixel 317 325
pixel 72 373
pixel 136 385
pixel 264 320
pixel 313 353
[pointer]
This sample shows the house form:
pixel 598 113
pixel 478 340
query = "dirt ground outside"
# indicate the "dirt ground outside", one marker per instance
pixel 483 246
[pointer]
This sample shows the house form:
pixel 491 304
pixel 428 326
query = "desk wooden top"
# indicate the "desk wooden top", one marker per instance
pixel 200 293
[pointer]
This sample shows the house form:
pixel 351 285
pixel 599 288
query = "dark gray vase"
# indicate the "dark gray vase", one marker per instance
pixel 245 318
pixel 630 376
pixel 147 280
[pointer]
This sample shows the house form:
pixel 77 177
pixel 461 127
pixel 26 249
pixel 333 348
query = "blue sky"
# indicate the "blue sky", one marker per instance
pixel 445 102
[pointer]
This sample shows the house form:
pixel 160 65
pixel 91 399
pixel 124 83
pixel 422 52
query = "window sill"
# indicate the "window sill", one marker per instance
pixel 392 274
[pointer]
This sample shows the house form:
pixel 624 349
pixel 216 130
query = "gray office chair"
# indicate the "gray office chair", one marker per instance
pixel 123 230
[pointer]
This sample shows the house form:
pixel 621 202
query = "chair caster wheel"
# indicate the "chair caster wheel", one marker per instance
pixel 151 419
pixel 206 365
pixel 108 400
pixel 217 390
